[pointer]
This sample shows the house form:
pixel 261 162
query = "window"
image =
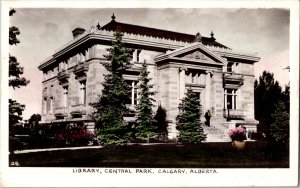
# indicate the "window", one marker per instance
pixel 51 105
pixel 230 98
pixel 198 94
pixel 44 106
pixel 229 66
pixel 138 55
pixel 194 78
pixel 65 97
pixel 82 95
pixel 132 98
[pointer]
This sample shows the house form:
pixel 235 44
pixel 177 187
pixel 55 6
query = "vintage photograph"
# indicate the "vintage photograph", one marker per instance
pixel 149 90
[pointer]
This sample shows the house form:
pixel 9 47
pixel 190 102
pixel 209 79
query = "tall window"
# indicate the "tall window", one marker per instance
pixel 198 94
pixel 44 105
pixel 229 66
pixel 51 105
pixel 65 97
pixel 230 98
pixel 138 55
pixel 132 98
pixel 82 95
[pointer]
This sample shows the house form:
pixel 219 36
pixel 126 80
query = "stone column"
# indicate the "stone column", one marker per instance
pixel 202 79
pixel 181 82
pixel 232 99
pixel 225 99
pixel 137 96
pixel 198 76
pixel 132 94
pixel 134 56
pixel 208 90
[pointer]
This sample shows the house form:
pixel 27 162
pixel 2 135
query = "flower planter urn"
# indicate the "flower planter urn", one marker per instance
pixel 239 145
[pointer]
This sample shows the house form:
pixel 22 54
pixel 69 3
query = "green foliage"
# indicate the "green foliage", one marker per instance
pixel 160 118
pixel 285 98
pixel 15 71
pixel 267 92
pixel 110 109
pixel 13 31
pixel 272 108
pixel 279 129
pixel 145 123
pixel 188 120
pixel 15 112
pixel 34 121
pixel 16 81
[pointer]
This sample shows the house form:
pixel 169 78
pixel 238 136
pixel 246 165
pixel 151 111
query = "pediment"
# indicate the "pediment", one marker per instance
pixel 194 52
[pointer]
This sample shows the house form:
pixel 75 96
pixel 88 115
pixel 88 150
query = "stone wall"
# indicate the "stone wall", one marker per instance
pixel 217 99
pixel 246 96
pixel 168 95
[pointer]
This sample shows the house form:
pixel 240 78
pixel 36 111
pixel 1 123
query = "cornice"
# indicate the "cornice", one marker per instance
pixel 239 56
pixel 141 40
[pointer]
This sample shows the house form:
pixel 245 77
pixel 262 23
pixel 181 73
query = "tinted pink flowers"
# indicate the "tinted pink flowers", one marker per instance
pixel 238 133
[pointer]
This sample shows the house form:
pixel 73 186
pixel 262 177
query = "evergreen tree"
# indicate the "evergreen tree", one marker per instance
pixel 267 93
pixel 286 97
pixel 188 120
pixel 145 123
pixel 161 121
pixel 279 129
pixel 111 107
pixel 15 112
pixel 33 121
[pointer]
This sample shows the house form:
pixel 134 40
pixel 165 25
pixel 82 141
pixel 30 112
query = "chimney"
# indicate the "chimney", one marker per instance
pixel 77 32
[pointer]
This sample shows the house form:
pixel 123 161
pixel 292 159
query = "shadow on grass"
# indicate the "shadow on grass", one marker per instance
pixel 203 155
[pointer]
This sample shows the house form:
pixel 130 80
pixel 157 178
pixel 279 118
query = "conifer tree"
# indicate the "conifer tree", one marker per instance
pixel 161 121
pixel 267 92
pixel 111 107
pixel 145 123
pixel 188 120
pixel 279 129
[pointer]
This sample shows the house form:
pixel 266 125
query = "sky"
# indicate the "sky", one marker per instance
pixel 43 30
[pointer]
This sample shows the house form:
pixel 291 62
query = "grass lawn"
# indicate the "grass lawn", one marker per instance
pixel 174 155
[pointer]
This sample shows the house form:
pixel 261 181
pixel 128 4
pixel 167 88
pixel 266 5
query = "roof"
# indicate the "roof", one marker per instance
pixel 148 31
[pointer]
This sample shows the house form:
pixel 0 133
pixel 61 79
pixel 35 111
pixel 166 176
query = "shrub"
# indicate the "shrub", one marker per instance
pixel 75 136
pixel 238 134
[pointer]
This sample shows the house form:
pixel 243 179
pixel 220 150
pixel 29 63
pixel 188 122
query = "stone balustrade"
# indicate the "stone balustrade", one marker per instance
pixel 61 112
pixel 78 110
pixel 233 114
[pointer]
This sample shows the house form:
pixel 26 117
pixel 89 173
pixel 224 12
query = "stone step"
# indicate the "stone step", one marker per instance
pixel 215 134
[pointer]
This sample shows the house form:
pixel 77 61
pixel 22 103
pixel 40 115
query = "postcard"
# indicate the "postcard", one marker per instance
pixel 149 93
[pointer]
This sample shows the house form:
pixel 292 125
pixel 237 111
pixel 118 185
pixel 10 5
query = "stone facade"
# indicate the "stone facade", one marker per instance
pixel 222 78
